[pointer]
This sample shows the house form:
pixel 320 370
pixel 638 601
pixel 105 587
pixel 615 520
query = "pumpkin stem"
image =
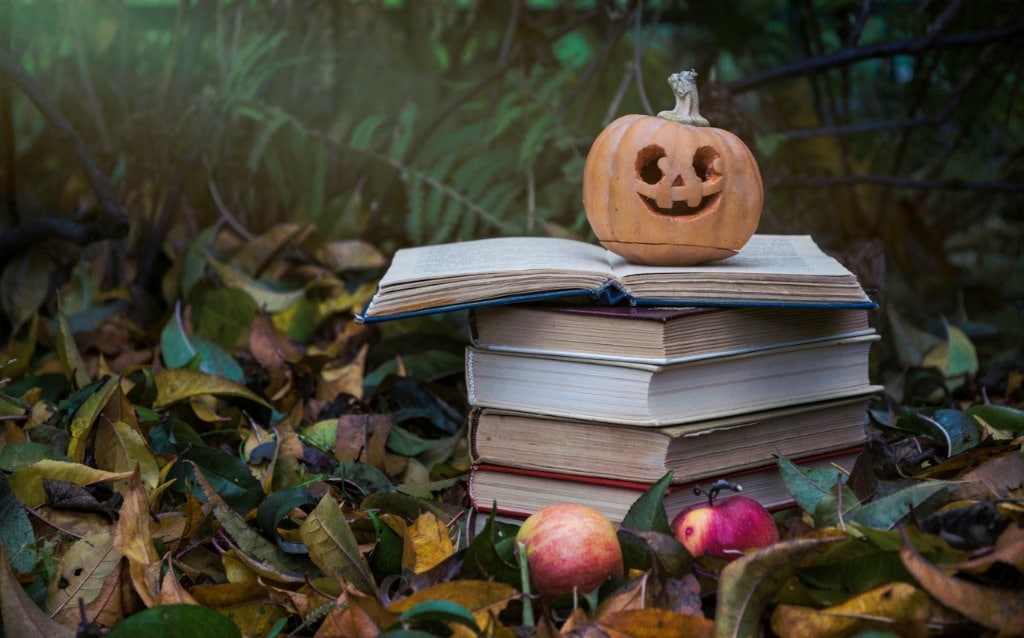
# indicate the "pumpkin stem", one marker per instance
pixel 687 110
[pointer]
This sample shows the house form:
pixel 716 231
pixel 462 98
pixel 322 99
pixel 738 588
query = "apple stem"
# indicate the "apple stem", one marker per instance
pixel 524 578
pixel 716 487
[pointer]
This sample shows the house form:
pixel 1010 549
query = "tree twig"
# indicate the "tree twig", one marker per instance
pixel 881 50
pixel 899 182
pixel 114 222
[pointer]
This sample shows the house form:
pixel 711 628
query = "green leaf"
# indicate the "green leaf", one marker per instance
pixel 172 621
pixel 223 316
pixel 333 547
pixel 386 556
pixel 179 349
pixel 262 554
pixel 15 456
pixel 886 512
pixel 749 584
pixel 492 552
pixel 273 510
pixel 814 489
pixel 16 532
pixel 646 514
pixel 194 268
pixel 998 417
pixel 437 611
pixel 228 475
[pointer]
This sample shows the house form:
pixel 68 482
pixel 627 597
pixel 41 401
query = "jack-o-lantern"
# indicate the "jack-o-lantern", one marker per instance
pixel 671 190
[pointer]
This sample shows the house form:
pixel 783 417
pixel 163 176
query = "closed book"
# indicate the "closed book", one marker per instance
pixel 691 451
pixel 774 270
pixel 656 335
pixel 517 492
pixel 652 395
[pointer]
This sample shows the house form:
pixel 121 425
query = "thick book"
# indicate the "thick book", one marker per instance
pixel 692 452
pixel 656 334
pixel 769 270
pixel 653 395
pixel 517 493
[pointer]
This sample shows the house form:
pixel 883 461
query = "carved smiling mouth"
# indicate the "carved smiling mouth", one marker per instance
pixel 663 189
pixel 681 208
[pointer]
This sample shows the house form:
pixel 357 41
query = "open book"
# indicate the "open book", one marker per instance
pixel 786 270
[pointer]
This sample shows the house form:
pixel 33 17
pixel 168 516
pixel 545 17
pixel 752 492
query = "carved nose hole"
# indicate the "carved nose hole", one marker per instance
pixel 647 164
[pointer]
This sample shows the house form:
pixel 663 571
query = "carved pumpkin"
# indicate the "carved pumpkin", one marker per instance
pixel 671 190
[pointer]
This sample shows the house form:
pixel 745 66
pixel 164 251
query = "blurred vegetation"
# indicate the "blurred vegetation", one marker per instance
pixel 891 131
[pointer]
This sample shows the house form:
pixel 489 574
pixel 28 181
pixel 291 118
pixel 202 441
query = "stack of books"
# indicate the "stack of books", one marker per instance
pixel 591 378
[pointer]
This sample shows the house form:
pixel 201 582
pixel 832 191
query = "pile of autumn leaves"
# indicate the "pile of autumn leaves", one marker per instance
pixel 246 477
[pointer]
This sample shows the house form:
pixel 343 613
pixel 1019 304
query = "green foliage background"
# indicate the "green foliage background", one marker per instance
pixel 890 131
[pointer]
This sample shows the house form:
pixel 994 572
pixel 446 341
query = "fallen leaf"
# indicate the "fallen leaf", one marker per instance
pixel 748 584
pixel 484 599
pixel 85 417
pixel 90 571
pixel 21 616
pixel 333 547
pixel 995 608
pixel 891 605
pixel 27 482
pixel 180 384
pixel 427 544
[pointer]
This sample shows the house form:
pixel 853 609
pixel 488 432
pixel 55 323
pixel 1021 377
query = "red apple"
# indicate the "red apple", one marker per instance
pixel 725 528
pixel 569 547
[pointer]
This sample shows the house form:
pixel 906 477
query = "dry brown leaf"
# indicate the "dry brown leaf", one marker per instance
pixel 998 609
pixel 362 437
pixel 134 539
pixel 90 572
pixel 342 377
pixel 21 616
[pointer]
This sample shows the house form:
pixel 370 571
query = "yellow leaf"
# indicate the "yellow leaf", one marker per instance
pixel 67 352
pixel 121 448
pixel 893 604
pixel 644 623
pixel 268 299
pixel 180 384
pixel 86 415
pixel 482 598
pixel 27 482
pixel 245 604
pixel 85 572
pixel 426 544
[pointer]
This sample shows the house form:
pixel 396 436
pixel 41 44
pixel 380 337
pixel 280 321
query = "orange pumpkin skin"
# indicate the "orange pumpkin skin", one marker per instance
pixel 659 192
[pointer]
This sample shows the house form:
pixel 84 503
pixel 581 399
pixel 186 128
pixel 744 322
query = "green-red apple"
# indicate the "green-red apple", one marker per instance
pixel 725 528
pixel 569 547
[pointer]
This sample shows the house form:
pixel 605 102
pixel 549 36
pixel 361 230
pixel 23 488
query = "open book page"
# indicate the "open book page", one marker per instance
pixel 784 268
pixel 457 274
pixel 786 255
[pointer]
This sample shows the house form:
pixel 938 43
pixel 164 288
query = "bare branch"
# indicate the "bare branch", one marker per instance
pixel 116 219
pixel 899 182
pixel 845 57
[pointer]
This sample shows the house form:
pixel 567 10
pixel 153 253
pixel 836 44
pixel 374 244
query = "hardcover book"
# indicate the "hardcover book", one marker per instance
pixel 692 452
pixel 517 492
pixel 788 270
pixel 656 335
pixel 653 395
